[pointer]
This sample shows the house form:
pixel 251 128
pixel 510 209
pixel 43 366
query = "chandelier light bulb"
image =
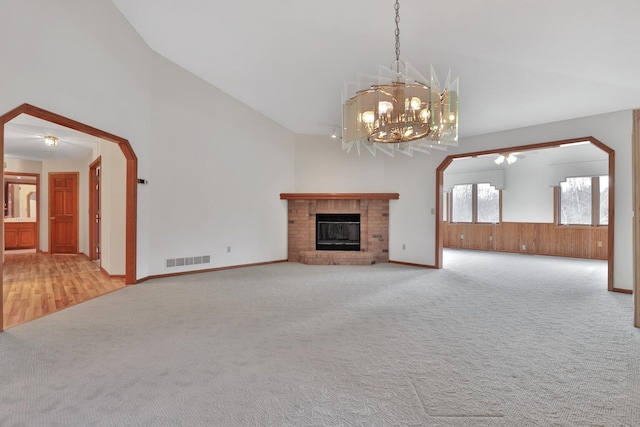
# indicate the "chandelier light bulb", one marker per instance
pixel 368 117
pixel 401 110
pixel 384 107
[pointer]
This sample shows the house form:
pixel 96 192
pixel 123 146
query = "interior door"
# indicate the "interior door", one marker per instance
pixel 63 213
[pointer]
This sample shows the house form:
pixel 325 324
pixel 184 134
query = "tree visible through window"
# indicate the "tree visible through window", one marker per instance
pixel 462 203
pixel 475 203
pixel 488 203
pixel 604 200
pixel 584 201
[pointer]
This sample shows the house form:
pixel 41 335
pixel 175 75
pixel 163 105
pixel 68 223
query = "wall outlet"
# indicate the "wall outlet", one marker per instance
pixel 490 238
pixel 523 247
pixel 599 244
pixel 228 249
pixel 404 246
pixel 462 237
pixel 433 211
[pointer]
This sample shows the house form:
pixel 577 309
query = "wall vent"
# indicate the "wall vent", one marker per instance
pixel 192 260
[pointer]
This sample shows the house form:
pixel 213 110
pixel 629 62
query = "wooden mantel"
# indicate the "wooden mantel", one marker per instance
pixel 339 196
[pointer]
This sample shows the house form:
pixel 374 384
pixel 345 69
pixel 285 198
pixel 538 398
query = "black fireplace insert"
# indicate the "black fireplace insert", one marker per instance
pixel 337 232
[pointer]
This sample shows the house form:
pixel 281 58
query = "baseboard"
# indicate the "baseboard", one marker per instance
pixel 208 270
pixel 111 276
pixel 411 264
pixel 622 291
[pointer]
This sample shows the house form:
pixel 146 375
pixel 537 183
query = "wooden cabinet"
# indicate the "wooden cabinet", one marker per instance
pixel 19 235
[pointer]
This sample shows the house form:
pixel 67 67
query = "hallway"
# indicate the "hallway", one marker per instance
pixel 39 284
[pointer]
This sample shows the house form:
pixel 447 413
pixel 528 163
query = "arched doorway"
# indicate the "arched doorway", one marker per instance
pixel 611 166
pixel 131 179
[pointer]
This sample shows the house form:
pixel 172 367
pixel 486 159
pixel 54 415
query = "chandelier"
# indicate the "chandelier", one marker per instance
pixel 398 111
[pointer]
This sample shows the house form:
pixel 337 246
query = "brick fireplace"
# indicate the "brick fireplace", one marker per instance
pixel 373 209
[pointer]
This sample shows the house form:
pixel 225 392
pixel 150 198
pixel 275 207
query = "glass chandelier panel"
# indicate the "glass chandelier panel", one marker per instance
pixel 399 110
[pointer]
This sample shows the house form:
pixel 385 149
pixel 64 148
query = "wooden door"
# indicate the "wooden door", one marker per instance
pixel 63 213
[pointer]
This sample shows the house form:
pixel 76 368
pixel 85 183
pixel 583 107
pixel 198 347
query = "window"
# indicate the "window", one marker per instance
pixel 603 216
pixel 488 204
pixel 462 203
pixel 584 201
pixel 475 203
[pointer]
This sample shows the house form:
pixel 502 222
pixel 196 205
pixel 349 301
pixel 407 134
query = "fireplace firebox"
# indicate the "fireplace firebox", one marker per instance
pixel 337 232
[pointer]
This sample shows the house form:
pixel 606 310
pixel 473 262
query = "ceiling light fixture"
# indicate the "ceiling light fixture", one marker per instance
pixel 509 157
pixel 51 141
pixel 399 111
pixel 335 133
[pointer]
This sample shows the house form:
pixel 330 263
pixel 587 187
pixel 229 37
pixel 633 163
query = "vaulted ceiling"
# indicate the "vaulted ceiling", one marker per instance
pixel 520 62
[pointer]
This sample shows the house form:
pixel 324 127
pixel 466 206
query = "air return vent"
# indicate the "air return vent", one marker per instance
pixel 192 260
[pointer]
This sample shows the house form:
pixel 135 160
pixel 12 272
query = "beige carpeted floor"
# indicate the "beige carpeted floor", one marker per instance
pixel 491 340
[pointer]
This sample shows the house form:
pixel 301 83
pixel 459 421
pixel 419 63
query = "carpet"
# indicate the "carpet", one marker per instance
pixel 490 340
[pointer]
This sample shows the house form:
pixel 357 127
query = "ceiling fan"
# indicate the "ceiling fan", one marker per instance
pixel 510 158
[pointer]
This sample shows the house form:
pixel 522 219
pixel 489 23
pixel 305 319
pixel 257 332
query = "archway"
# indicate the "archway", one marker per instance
pixel 611 164
pixel 131 180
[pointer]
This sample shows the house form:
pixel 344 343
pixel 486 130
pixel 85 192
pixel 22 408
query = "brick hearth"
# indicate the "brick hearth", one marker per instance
pixel 374 226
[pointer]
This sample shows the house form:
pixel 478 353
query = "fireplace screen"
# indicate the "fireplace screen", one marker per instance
pixel 337 232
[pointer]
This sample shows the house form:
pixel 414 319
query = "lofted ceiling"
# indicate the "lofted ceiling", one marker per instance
pixel 520 62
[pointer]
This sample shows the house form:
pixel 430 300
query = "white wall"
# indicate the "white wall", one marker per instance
pixel 218 168
pixel 113 173
pixel 528 195
pixel 24 166
pixel 615 131
pixel 84 61
pixel 321 166
pixel 493 177
pixel 80 59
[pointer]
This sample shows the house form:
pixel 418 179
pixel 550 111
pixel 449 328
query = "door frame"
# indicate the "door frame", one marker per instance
pixel 76 219
pixel 97 163
pixel 131 181
pixel 635 146
pixel 612 167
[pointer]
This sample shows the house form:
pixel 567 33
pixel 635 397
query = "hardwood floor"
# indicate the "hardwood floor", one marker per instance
pixel 39 284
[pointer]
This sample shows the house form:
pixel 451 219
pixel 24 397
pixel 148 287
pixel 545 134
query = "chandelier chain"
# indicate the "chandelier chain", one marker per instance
pixel 397 8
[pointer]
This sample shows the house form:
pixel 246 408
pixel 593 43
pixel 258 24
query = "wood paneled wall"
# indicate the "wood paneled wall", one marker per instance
pixel 537 238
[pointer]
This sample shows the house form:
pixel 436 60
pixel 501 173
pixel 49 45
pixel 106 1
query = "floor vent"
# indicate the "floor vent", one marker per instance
pixel 192 260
